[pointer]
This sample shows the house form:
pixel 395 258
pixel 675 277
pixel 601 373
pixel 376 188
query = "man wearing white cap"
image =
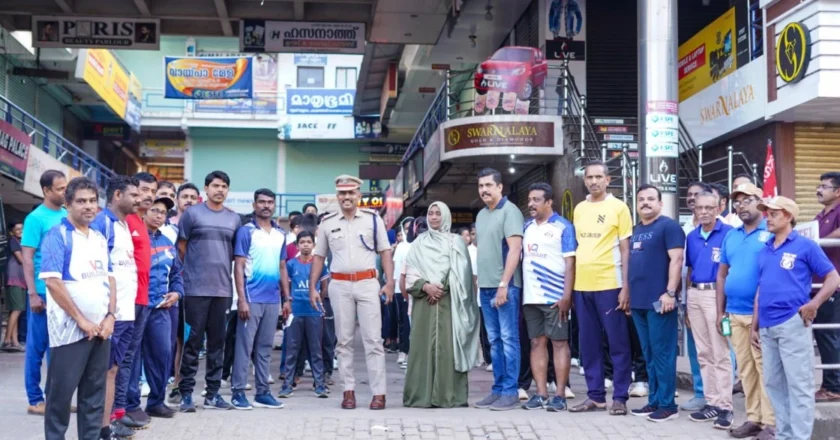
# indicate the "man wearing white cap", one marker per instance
pixel 354 236
pixel 783 315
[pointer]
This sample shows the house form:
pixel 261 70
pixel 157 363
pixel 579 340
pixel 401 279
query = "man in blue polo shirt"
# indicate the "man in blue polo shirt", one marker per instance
pixel 737 283
pixel 702 259
pixel 783 315
pixel 259 270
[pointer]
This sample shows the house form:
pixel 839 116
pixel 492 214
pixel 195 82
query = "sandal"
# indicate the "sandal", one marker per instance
pixel 589 406
pixel 618 409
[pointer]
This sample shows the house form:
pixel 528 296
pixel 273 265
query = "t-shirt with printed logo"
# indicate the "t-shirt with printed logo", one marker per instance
pixel 121 250
pixel 546 247
pixel 263 252
pixel 299 272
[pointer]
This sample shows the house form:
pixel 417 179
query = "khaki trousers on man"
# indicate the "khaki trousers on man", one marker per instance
pixel 351 300
pixel 751 372
pixel 712 348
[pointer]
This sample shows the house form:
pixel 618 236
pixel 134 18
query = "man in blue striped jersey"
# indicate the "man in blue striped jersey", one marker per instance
pixel 549 265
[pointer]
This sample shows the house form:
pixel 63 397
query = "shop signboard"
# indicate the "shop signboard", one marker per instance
pixel 37 163
pixel 320 101
pixel 299 127
pixel 301 37
pixel 793 52
pixel 100 69
pixel 209 77
pixel 729 104
pixel 663 173
pixel 96 32
pixel 133 104
pixel 715 52
pixel 502 135
pixel 14 150
pixel 162 149
pixel 564 25
pixel 310 59
pixel 367 127
pixel 108 131
pixel 265 89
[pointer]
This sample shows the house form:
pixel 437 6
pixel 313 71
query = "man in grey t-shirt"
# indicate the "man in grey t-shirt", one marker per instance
pixel 499 234
pixel 205 245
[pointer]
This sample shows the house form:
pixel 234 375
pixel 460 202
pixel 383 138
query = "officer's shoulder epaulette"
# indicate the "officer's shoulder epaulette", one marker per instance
pixel 329 216
pixel 368 211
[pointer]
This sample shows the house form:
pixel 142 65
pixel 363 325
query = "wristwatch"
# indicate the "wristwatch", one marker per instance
pixel 502 284
pixel 672 293
pixel 110 314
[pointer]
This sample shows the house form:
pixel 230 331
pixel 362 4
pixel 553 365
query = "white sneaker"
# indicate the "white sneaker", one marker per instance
pixel 489 368
pixel 569 393
pixel 523 395
pixel 575 362
pixel 552 388
pixel 639 389
pixel 204 392
pixel 225 384
pixel 306 367
pixel 608 383
pixel 580 371
pixel 676 394
pixel 144 390
pixel 248 387
pixel 335 364
pixel 270 379
pixel 401 358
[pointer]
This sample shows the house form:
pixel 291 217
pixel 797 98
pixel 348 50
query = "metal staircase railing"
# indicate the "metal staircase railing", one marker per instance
pixel 54 144
pixel 576 123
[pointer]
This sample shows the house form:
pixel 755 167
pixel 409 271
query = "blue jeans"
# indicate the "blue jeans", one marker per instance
pixel 696 378
pixel 156 355
pixel 502 325
pixel 788 353
pixel 127 387
pixel 658 336
pixel 37 345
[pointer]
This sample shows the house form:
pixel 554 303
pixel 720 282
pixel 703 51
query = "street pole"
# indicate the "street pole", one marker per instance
pixel 659 100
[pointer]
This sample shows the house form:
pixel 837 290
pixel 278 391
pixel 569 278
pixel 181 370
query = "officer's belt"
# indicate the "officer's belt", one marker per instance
pixel 703 286
pixel 358 276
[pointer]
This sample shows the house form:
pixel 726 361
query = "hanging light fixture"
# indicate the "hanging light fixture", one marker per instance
pixel 489 8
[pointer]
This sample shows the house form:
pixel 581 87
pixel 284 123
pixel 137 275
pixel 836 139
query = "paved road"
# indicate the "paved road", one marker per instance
pixel 306 417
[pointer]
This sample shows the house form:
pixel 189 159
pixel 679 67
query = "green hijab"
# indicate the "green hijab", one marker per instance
pixel 439 256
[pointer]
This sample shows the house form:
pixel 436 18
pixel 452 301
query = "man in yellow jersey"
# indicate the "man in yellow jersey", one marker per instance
pixel 604 226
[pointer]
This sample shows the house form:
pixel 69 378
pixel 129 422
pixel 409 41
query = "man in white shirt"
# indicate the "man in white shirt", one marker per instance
pixel 400 303
pixel 78 272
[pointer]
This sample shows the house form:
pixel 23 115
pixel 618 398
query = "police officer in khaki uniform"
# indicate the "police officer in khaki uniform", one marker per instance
pixel 354 236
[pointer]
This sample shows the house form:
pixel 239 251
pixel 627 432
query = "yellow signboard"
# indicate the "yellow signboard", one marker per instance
pixel 135 88
pixel 708 56
pixel 793 52
pixel 106 76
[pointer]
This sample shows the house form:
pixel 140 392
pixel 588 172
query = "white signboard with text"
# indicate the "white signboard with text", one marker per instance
pixel 729 104
pixel 96 32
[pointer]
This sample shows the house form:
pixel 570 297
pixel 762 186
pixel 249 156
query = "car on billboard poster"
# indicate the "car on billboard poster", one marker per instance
pixel 521 70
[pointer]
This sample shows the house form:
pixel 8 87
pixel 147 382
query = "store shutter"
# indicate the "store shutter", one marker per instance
pixel 22 93
pixel 520 187
pixel 611 61
pixel 815 152
pixel 49 111
pixel 533 13
pixel 4 65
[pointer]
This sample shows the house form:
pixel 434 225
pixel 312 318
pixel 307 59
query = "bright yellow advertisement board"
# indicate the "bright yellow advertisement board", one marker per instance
pixel 708 56
pixel 105 76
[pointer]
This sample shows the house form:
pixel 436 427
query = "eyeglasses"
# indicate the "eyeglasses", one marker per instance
pixel 746 202
pixel 824 186
pixel 156 211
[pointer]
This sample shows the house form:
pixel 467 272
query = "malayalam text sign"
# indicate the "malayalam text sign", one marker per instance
pixel 209 77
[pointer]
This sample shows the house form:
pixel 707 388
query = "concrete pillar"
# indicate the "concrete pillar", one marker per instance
pixel 659 100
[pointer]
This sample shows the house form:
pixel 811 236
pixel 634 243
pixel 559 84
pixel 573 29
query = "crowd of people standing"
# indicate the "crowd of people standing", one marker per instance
pixel 157 280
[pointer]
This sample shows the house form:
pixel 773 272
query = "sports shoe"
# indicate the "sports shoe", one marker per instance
pixel 139 415
pixel 569 393
pixel 286 392
pixel 707 414
pixel 129 421
pixel 404 366
pixel 489 368
pixel 270 381
pixel 487 401
pixel 204 392
pixel 643 411
pixel 225 384
pixel 187 405
pixel 663 415
pixel 536 402
pixel 306 367
pixel 556 404
pixel 608 383
pixel 322 392
pixel 724 420
pixel 580 371
pixel 240 402
pixel 639 389
pixel 174 396
pixel 505 403
pixel 693 405
pixel 202 354
pixel 145 390
pixel 575 362
pixel 401 358
pixel 161 411
pixel 552 388
pixel 266 400
pixel 216 402
pixel 523 395
pixel 120 431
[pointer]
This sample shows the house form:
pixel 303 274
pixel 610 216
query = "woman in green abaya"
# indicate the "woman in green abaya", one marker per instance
pixel 444 318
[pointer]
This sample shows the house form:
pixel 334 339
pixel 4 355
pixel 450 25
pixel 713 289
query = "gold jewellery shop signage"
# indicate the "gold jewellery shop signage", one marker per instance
pixel 503 134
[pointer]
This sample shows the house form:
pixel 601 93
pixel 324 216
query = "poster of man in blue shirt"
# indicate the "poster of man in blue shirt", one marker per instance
pixel 783 315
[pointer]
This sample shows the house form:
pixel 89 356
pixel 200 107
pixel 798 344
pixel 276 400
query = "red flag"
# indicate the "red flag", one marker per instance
pixel 770 189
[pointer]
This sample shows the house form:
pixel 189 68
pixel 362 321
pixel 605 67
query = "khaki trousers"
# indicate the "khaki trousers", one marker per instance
pixel 351 300
pixel 750 371
pixel 712 348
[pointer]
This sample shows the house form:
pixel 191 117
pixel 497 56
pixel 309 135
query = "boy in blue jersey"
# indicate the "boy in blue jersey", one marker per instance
pixel 307 322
